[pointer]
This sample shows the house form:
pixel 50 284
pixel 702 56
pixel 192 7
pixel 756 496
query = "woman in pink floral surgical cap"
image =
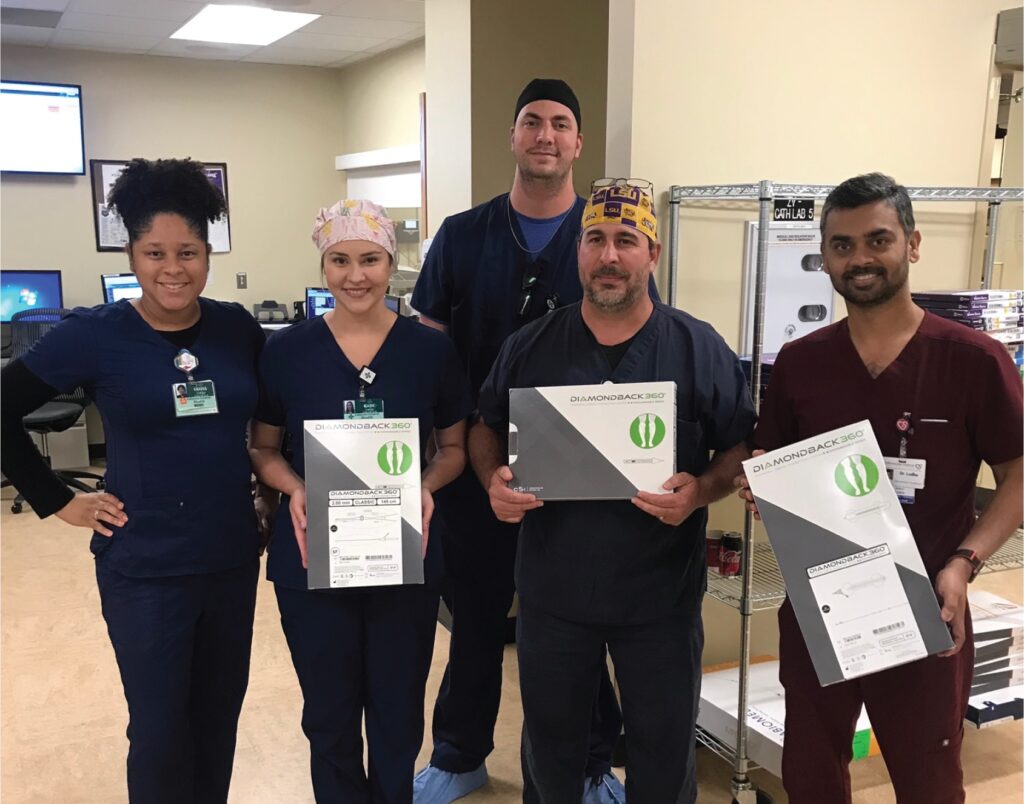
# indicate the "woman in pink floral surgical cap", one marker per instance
pixel 358 601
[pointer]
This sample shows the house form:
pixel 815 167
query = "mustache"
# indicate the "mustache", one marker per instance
pixel 853 273
pixel 610 270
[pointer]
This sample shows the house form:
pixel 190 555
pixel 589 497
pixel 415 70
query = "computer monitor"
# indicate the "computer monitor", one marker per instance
pixel 27 290
pixel 318 302
pixel 120 286
pixel 393 303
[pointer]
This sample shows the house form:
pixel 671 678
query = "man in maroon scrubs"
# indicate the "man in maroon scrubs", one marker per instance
pixel 955 396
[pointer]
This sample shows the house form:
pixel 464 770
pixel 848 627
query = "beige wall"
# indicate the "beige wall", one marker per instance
pixel 799 92
pixel 449 111
pixel 380 99
pixel 509 48
pixel 805 92
pixel 277 128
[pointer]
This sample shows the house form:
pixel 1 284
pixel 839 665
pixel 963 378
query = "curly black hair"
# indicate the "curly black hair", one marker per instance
pixel 146 188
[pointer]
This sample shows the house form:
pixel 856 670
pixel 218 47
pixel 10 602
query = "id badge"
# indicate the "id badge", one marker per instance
pixel 907 475
pixel 364 409
pixel 196 398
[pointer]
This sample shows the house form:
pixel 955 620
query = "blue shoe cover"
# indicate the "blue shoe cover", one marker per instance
pixel 435 786
pixel 605 789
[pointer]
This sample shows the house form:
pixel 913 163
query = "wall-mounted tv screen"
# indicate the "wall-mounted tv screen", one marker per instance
pixel 42 128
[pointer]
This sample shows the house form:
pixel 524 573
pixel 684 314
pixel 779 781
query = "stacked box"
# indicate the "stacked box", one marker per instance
pixel 766 714
pixel 997 693
pixel 997 689
pixel 1000 313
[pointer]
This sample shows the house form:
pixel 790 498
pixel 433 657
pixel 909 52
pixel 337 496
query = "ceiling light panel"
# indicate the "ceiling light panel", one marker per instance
pixel 241 25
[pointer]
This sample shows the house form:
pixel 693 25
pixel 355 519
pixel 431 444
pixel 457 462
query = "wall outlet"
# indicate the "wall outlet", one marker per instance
pixel 241 281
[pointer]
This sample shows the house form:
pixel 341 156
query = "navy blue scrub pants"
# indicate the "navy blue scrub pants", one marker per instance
pixel 479 554
pixel 361 651
pixel 182 645
pixel 657 665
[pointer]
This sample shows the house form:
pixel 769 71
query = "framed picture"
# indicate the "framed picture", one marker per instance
pixel 111 234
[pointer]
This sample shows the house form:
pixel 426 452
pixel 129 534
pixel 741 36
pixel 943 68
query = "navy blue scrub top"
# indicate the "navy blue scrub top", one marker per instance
pixel 305 375
pixel 473 273
pixel 185 482
pixel 608 561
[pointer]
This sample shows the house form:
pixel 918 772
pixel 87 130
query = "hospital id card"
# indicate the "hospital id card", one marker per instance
pixel 365 537
pixel 866 612
pixel 907 477
pixel 364 408
pixel 194 398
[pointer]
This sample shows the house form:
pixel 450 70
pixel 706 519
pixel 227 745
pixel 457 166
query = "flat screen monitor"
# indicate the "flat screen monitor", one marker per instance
pixel 28 290
pixel 318 302
pixel 393 303
pixel 42 128
pixel 120 286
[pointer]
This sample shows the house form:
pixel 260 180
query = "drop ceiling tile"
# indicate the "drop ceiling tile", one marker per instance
pixel 416 33
pixel 360 26
pixel 352 44
pixel 104 23
pixel 36 5
pixel 173 10
pixel 347 60
pixel 24 35
pixel 99 40
pixel 202 50
pixel 391 44
pixel 299 6
pixel 282 54
pixel 406 10
pixel 356 58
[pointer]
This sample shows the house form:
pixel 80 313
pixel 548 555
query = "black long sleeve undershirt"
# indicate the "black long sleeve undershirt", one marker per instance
pixel 23 392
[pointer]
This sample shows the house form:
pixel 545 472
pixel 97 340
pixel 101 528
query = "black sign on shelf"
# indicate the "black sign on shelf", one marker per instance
pixel 794 209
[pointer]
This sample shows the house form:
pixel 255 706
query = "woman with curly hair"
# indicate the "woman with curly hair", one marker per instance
pixel 174 534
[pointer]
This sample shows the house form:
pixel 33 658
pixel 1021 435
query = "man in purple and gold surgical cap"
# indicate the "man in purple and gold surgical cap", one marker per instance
pixel 597 573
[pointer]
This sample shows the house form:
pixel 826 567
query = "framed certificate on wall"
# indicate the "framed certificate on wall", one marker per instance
pixel 111 234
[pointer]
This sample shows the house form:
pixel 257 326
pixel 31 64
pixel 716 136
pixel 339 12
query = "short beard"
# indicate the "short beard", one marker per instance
pixel 885 293
pixel 546 182
pixel 604 300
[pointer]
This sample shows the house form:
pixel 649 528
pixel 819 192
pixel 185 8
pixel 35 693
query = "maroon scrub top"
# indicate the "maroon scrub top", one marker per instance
pixel 960 387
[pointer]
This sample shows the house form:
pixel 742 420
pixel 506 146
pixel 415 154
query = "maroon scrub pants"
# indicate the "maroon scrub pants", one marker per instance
pixel 916 712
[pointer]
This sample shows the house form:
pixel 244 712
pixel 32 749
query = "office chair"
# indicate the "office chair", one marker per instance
pixel 56 416
pixel 270 312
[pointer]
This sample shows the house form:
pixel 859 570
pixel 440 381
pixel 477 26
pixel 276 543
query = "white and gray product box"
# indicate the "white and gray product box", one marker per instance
pixel 592 442
pixel 363 505
pixel 853 572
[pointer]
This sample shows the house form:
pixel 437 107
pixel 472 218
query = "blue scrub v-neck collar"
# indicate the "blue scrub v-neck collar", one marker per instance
pixel 329 342
pixel 641 342
pixel 512 221
pixel 154 335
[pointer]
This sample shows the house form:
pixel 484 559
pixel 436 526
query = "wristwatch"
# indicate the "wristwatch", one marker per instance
pixel 971 557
